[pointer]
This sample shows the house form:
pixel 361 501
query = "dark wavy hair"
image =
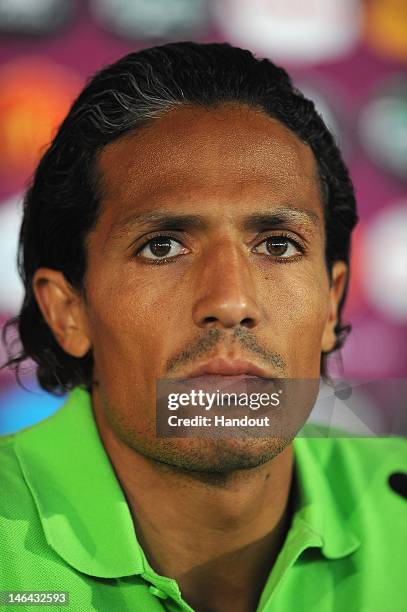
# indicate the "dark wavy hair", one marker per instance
pixel 63 201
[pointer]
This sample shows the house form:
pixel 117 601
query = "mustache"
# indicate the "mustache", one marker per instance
pixel 245 338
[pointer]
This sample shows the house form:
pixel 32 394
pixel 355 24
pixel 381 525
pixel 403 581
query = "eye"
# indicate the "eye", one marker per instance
pixel 279 246
pixel 161 247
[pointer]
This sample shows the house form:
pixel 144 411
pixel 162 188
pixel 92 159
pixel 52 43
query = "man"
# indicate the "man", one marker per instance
pixel 191 221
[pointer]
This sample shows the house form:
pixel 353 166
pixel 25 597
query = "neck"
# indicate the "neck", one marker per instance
pixel 202 530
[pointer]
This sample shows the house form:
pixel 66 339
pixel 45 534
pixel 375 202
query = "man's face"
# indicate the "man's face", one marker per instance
pixel 227 281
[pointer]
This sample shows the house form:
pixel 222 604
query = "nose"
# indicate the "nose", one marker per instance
pixel 226 295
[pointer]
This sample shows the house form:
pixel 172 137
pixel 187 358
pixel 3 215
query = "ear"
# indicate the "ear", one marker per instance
pixel 338 281
pixel 63 309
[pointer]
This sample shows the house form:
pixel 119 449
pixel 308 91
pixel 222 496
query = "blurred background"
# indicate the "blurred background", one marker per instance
pixel 349 56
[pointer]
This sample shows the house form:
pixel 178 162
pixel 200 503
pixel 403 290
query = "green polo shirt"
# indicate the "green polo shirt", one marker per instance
pixel 65 525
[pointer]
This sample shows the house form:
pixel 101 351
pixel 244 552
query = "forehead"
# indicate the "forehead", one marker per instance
pixel 192 152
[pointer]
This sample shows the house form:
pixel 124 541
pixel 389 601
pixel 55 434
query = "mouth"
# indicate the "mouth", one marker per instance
pixel 238 376
pixel 221 368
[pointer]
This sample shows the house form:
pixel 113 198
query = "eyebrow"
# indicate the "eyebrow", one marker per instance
pixel 257 221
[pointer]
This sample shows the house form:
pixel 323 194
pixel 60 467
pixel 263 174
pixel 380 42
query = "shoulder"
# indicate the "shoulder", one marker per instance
pixel 361 451
pixel 16 499
pixel 10 468
pixel 354 460
pixel 358 472
pixel 8 460
pixel 14 491
pixel 19 522
pixel 324 443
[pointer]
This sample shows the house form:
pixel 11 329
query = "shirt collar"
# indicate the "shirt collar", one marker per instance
pixel 83 510
pixel 81 505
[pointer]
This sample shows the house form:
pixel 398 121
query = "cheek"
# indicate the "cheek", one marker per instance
pixel 297 313
pixel 129 319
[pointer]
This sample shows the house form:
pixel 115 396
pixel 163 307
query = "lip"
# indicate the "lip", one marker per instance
pixel 223 367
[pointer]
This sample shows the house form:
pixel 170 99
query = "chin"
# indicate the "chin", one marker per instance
pixel 220 456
